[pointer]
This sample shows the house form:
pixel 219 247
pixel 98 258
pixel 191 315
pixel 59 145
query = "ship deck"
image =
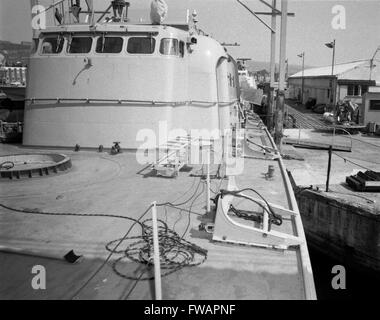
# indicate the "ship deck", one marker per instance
pixel 99 183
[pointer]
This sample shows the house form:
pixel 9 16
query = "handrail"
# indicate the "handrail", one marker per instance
pixel 120 101
pixel 304 251
pixel 349 134
pixel 90 11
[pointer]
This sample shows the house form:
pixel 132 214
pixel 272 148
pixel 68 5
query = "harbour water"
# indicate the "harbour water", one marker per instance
pixel 360 284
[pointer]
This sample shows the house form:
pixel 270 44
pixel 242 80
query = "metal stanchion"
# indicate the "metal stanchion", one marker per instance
pixel 208 194
pixel 329 169
pixel 156 248
pixel 299 135
pixel 333 138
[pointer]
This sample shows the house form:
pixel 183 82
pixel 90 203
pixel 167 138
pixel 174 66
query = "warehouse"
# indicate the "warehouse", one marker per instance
pixel 371 107
pixel 349 81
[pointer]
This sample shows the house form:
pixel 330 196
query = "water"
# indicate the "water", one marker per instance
pixel 360 284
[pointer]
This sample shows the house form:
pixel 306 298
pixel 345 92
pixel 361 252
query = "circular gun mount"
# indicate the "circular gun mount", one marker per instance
pixel 32 165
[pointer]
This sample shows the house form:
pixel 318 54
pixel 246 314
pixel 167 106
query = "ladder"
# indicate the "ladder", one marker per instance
pixel 174 156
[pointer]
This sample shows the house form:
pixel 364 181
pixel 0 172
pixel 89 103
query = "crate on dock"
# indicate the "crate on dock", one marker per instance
pixel 368 181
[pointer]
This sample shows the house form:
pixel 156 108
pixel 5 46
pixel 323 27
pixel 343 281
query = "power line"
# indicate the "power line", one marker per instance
pixel 356 164
pixel 371 162
pixel 369 143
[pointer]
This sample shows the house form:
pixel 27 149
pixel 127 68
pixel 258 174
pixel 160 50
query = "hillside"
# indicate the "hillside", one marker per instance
pixel 255 66
pixel 15 52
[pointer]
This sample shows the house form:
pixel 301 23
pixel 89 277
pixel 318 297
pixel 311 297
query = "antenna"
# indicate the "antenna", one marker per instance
pixel 230 44
pixel 243 59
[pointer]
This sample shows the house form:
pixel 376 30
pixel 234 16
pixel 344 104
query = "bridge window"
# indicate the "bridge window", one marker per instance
pixel 52 45
pixel 80 45
pixel 141 45
pixel 169 47
pixel 109 45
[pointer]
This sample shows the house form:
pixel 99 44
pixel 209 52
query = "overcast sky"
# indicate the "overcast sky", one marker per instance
pixel 227 21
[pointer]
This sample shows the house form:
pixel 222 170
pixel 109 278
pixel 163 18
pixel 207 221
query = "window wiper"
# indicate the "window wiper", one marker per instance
pixel 59 40
pixel 103 42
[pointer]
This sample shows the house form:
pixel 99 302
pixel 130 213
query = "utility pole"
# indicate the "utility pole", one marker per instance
pixel 303 76
pixel 333 58
pixel 332 74
pixel 274 13
pixel 302 55
pixel 331 45
pixel 270 111
pixel 280 103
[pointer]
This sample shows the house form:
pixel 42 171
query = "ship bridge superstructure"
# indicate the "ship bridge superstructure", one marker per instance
pixel 98 82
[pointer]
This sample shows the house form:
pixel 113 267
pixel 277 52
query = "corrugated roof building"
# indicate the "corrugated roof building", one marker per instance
pixel 350 80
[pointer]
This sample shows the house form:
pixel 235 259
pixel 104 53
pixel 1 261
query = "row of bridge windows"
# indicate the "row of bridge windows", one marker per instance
pixel 111 45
